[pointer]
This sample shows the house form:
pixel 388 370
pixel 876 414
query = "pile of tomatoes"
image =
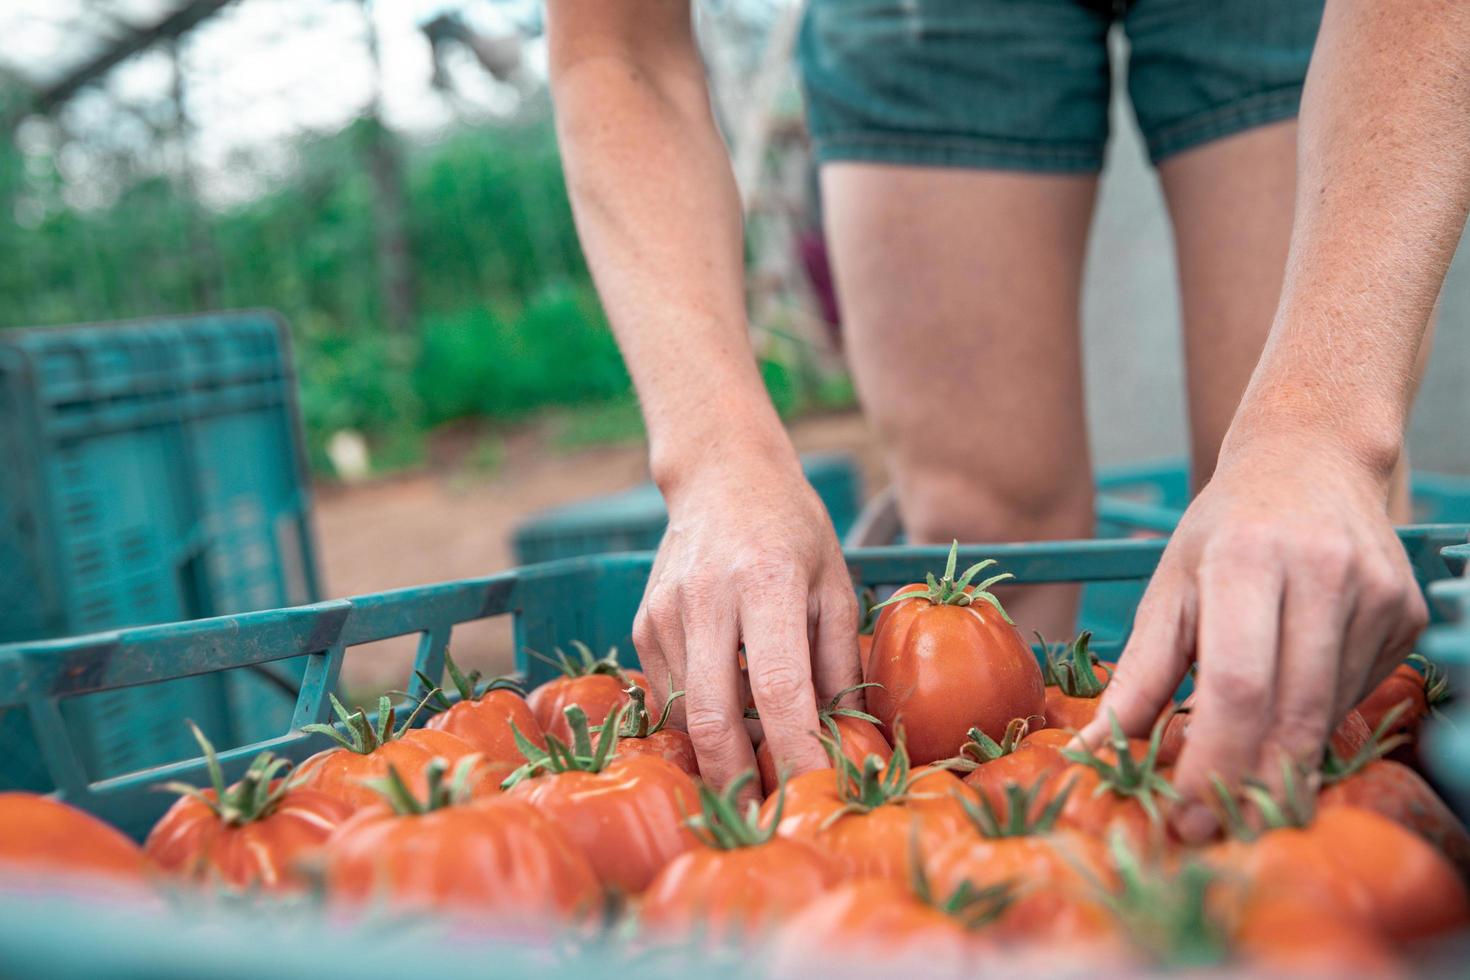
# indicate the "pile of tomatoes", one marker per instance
pixel 958 829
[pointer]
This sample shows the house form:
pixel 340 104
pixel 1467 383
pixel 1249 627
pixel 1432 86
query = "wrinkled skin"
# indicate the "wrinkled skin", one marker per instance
pixel 341 772
pixel 945 669
pixel 1348 738
pixel 873 927
pixel 668 743
pixel 628 819
pixel 599 695
pixel 193 842
pixel 730 896
pixel 860 739
pixel 45 837
pixel 875 843
pixel 485 724
pixel 493 864
pixel 1399 793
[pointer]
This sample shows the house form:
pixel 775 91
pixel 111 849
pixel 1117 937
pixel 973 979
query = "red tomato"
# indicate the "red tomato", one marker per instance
pixel 1075 681
pixel 45 837
pixel 640 736
pixel 1120 789
pixel 1284 934
pixel 486 716
pixel 1399 793
pixel 1414 693
pixel 1351 734
pixel 493 863
pixel 597 685
pixel 249 835
pixel 628 818
pixel 875 927
pixel 865 817
pixel 949 659
pixel 865 649
pixel 856 731
pixel 367 752
pixel 1019 758
pixel 739 883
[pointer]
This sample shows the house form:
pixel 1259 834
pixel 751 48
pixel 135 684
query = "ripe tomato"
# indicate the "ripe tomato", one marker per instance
pixel 597 685
pixel 1350 735
pixel 367 751
pixel 856 731
pixel 949 659
pixel 865 817
pixel 1074 683
pixel 1420 691
pixel 865 649
pixel 486 716
pixel 1118 789
pixel 627 815
pixel 249 835
pixel 875 927
pixel 739 883
pixel 639 736
pixel 1019 758
pixel 1399 793
pixel 44 837
pixel 493 863
pixel 1284 934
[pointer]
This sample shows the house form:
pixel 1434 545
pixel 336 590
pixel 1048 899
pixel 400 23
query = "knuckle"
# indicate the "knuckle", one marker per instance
pixel 1238 691
pixel 843 604
pixel 712 733
pixel 767 571
pixel 778 688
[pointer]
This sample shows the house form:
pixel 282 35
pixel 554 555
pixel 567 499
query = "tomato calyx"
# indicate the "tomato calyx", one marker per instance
pixel 636 720
pixel 722 825
pixel 440 793
pixel 1069 667
pixel 1127 776
pixel 582 755
pixel 252 798
pixel 586 663
pixel 362 734
pixel 980 748
pixel 468 687
pixel 1166 913
pixel 951 591
pixel 868 786
pixel 1335 768
pixel 1437 691
pixel 1294 807
pixel 1020 802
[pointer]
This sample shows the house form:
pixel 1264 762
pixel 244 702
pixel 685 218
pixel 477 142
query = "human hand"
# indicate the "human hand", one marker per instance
pixel 1286 583
pixel 749 557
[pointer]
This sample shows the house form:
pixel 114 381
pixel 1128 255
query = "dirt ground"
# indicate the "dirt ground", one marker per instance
pixel 448 522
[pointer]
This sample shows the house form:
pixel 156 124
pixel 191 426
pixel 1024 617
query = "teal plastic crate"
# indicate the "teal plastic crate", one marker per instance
pixel 154 473
pixel 635 519
pixel 589 599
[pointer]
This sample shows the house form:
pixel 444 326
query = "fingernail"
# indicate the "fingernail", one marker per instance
pixel 1195 823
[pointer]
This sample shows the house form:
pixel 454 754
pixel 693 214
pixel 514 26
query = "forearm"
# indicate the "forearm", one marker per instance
pixel 659 219
pixel 1382 193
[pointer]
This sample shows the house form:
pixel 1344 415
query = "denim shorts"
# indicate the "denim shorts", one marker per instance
pixel 1025 84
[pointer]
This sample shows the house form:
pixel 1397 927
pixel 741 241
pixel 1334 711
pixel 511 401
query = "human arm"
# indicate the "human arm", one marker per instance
pixel 1284 580
pixel 750 555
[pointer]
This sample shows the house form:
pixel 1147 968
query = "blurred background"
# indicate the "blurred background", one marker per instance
pixel 385 175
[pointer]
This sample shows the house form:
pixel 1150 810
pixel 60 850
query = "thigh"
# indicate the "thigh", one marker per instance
pixel 1230 202
pixel 959 291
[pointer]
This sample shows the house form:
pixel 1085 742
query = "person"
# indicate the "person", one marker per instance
pixel 959 146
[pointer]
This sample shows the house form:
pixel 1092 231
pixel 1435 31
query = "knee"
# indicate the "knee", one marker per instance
pixel 940 505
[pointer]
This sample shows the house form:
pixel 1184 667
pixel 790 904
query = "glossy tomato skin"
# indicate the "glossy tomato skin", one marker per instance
pixel 340 772
pixel 191 841
pixel 876 843
pixel 485 725
pixel 628 819
pixel 1039 756
pixel 945 669
pixel 730 896
pixel 874 927
pixel 599 695
pixel 667 743
pixel 1065 712
pixel 1284 934
pixel 44 837
pixel 1399 793
pixel 860 739
pixel 495 863
pixel 865 650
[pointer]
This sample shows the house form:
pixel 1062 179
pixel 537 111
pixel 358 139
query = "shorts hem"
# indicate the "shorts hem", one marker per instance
pixel 1223 121
pixel 956 151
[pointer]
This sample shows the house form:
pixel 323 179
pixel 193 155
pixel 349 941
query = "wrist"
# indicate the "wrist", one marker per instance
pixel 1366 439
pixel 740 442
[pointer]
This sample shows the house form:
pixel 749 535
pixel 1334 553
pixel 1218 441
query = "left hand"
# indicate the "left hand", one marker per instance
pixel 1286 583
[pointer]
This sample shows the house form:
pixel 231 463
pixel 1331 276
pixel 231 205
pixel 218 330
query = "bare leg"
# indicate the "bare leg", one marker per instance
pixel 959 291
pixel 1231 205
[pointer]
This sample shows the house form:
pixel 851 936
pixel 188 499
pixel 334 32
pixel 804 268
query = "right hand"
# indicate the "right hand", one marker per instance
pixel 749 557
